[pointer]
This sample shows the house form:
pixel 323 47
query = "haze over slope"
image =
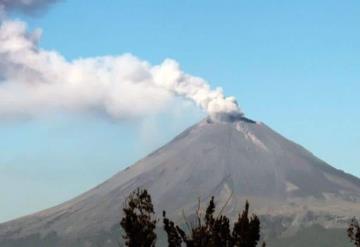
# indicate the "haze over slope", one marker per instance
pixel 238 159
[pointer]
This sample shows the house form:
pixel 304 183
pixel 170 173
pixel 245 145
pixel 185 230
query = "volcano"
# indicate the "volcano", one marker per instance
pixel 301 199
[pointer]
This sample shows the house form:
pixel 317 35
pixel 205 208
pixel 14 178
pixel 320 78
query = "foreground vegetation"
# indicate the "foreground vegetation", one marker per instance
pixel 354 232
pixel 139 224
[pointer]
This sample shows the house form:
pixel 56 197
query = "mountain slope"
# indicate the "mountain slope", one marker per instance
pixel 287 185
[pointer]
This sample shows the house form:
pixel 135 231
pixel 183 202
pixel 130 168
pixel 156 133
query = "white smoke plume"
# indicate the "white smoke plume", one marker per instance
pixel 27 6
pixel 34 81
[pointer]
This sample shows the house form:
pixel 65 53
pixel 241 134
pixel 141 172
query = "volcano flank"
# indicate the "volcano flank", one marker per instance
pixel 287 186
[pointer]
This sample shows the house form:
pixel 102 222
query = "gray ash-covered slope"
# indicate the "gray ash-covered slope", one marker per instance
pixel 288 186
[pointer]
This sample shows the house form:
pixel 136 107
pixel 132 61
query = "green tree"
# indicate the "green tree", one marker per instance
pixel 354 232
pixel 139 222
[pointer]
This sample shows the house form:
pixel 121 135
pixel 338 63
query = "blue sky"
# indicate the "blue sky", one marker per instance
pixel 291 64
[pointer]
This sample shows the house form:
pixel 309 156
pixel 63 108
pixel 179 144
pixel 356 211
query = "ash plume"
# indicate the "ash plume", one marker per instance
pixel 35 81
pixel 27 6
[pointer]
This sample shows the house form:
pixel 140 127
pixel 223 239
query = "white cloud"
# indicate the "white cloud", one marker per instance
pixel 35 81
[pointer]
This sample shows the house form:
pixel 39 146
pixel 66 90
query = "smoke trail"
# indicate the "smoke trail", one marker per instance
pixel 35 81
pixel 27 6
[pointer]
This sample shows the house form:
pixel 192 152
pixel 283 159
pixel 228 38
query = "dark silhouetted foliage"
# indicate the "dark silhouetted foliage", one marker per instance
pixel 246 231
pixel 139 222
pixel 215 231
pixel 354 232
pixel 174 237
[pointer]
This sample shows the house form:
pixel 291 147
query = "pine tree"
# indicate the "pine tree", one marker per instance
pixel 174 237
pixel 218 228
pixel 354 232
pixel 246 231
pixel 139 222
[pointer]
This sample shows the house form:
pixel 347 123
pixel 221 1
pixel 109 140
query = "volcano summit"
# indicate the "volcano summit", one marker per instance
pixel 297 195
